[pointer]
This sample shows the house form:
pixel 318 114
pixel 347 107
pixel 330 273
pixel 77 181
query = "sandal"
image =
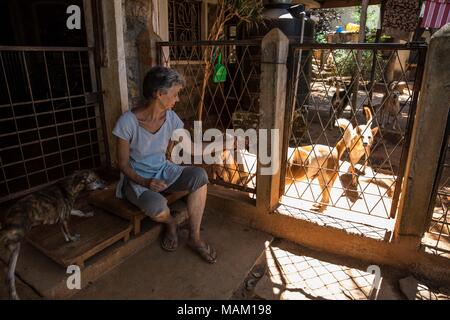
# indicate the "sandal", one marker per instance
pixel 206 252
pixel 167 239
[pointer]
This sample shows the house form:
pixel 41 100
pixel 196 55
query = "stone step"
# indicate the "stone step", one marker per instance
pixel 49 278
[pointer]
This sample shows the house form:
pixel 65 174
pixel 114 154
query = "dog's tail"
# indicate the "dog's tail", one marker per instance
pixel 10 235
pixel 347 126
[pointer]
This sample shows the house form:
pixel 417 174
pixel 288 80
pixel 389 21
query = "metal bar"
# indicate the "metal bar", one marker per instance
pixel 377 40
pixel 49 126
pixel 50 168
pixel 10 99
pixel 4 176
pixel 445 223
pixel 233 186
pixel 28 48
pixel 48 112
pixel 70 104
pixel 437 249
pixel 33 105
pixel 362 46
pixel 288 114
pixel 49 139
pixel 209 43
pixel 47 155
pixel 53 107
pixel 45 100
pixel 84 91
pixel 408 131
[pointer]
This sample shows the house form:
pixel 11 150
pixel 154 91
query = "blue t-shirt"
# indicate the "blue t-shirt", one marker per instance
pixel 148 150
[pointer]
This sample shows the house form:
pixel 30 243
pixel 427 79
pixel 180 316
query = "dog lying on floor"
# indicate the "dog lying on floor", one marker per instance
pixel 51 205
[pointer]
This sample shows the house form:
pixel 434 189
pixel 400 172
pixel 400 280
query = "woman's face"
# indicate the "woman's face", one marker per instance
pixel 170 98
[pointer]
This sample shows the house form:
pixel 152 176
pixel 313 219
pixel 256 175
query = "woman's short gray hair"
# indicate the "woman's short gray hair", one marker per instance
pixel 161 79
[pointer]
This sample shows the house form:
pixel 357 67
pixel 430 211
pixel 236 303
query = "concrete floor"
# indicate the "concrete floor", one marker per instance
pixel 251 265
pixel 156 274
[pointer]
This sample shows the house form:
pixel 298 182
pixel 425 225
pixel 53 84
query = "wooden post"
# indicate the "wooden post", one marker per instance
pixel 429 126
pixel 273 87
pixel 377 40
pixel 361 39
pixel 114 72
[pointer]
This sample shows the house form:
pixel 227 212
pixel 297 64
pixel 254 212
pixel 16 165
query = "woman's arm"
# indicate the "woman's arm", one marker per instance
pixel 123 160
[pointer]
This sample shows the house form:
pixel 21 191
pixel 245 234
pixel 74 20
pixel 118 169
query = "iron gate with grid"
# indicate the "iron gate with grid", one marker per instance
pixel 436 239
pixel 357 101
pixel 51 118
pixel 231 104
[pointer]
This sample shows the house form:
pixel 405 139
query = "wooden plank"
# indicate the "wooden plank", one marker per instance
pixel 96 233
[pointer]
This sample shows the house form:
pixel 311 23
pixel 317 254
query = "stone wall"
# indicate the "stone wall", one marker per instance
pixel 137 14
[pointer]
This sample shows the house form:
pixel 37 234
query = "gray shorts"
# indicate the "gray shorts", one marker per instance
pixel 153 203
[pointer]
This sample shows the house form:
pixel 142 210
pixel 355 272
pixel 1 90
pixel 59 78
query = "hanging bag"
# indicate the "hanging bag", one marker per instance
pixel 220 71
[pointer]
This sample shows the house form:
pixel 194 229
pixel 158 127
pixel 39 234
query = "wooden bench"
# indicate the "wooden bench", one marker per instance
pixel 107 200
pixel 96 233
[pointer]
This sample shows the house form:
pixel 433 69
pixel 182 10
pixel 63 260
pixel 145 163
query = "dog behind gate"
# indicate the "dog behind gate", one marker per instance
pixel 390 105
pixel 340 99
pixel 51 205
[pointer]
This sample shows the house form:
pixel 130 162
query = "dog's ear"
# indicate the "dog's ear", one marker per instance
pixel 368 113
pixel 359 130
pixel 375 131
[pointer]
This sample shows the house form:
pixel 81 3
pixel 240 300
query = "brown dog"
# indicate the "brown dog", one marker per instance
pixel 340 99
pixel 50 205
pixel 390 107
pixel 316 161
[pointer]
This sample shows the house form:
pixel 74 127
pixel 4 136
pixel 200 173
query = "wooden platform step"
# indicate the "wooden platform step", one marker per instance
pixel 96 233
pixel 106 199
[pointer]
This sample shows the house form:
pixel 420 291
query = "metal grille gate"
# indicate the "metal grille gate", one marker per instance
pixel 51 117
pixel 231 104
pixel 345 81
pixel 437 238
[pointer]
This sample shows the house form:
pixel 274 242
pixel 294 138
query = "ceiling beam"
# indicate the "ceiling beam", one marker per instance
pixel 309 4
pixel 344 3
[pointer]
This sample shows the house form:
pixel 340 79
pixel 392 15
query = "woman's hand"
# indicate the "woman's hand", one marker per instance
pixel 155 185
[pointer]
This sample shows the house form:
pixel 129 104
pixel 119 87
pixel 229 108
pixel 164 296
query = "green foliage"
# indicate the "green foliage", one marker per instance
pixel 320 37
pixel 372 15
pixel 246 11
pixel 326 17
pixel 345 61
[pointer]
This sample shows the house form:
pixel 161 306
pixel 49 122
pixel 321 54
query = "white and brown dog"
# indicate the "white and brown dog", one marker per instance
pixel 358 140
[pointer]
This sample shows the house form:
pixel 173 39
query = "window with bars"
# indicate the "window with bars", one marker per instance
pixel 184 23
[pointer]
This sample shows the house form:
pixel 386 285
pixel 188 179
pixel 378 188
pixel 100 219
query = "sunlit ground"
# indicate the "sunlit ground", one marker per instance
pixel 292 272
pixel 369 204
pixel 363 209
pixel 297 277
pixel 437 239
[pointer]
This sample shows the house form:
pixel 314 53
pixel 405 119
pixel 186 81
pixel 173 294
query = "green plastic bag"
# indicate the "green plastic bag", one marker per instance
pixel 220 72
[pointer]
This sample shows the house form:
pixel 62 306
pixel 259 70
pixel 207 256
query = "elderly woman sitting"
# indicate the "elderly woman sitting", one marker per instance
pixel 144 135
